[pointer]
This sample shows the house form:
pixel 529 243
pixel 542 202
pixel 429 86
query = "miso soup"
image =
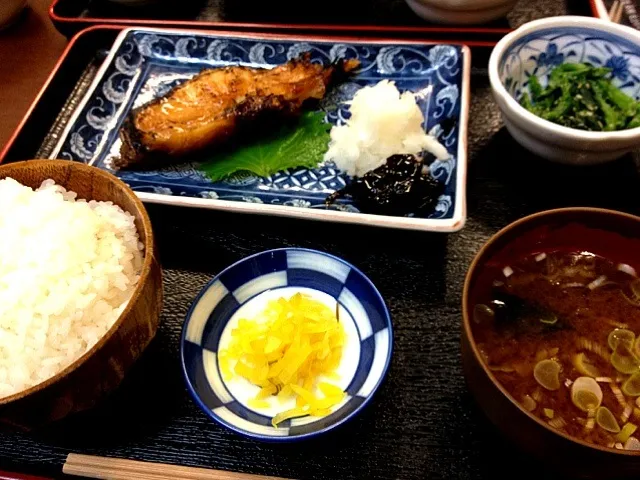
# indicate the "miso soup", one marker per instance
pixel 561 332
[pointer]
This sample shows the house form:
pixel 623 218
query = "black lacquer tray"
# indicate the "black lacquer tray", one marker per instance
pixel 422 423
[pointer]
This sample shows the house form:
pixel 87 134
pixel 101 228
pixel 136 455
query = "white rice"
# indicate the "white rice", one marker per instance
pixel 67 270
pixel 383 123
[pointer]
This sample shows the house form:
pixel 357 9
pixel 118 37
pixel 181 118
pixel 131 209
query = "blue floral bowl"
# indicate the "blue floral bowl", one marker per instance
pixel 535 49
pixel 242 291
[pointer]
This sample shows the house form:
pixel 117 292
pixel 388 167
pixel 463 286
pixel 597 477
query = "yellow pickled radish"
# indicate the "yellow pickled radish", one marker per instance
pixel 291 413
pixel 267 391
pixel 305 395
pixel 272 344
pixel 330 390
pixel 257 403
pixel 286 350
pixel 320 413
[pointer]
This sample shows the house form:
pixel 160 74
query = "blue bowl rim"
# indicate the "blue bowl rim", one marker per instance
pixel 546 127
pixel 283 439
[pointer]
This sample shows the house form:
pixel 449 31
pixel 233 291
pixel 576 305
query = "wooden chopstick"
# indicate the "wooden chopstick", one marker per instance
pixel 615 14
pixel 119 469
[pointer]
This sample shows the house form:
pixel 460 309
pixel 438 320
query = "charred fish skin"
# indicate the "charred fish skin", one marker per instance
pixel 218 103
pixel 132 144
pixel 252 113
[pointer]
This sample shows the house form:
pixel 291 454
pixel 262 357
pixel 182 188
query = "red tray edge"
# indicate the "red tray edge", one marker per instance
pixel 57 19
pixel 46 83
pixel 289 35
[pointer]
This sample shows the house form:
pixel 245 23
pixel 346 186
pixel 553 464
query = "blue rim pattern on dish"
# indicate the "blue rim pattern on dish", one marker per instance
pixel 539 52
pixel 237 284
pixel 148 63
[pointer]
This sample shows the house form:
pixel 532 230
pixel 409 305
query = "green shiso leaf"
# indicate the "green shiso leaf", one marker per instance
pixel 301 143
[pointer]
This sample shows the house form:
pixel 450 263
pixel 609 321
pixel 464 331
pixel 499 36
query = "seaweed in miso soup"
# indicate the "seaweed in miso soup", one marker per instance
pixel 561 332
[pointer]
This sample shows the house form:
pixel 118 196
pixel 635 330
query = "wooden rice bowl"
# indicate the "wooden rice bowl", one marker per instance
pixel 100 370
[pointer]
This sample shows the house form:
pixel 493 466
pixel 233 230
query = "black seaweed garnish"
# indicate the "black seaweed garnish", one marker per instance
pixel 401 186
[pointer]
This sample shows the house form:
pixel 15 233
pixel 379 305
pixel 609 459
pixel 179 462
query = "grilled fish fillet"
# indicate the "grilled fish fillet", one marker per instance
pixel 216 103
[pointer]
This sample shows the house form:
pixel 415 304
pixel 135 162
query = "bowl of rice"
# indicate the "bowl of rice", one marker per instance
pixel 80 288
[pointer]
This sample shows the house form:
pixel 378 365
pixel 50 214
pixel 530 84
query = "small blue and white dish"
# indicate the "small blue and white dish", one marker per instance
pixel 535 49
pixel 243 289
pixel 145 63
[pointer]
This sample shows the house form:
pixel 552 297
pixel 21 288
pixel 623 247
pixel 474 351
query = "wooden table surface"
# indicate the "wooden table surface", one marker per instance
pixel 28 51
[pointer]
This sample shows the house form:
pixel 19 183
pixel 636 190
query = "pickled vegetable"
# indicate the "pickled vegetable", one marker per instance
pixel 547 374
pixel 257 403
pixel 285 351
pixel 606 420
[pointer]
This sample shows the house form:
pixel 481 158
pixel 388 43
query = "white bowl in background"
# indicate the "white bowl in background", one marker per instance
pixel 536 48
pixel 461 12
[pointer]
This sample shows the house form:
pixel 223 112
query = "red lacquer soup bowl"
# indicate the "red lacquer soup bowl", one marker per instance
pixel 610 234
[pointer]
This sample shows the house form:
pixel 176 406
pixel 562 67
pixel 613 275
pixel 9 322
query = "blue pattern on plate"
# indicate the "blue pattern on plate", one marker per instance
pixel 367 353
pixel 206 321
pixel 540 52
pixel 147 64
